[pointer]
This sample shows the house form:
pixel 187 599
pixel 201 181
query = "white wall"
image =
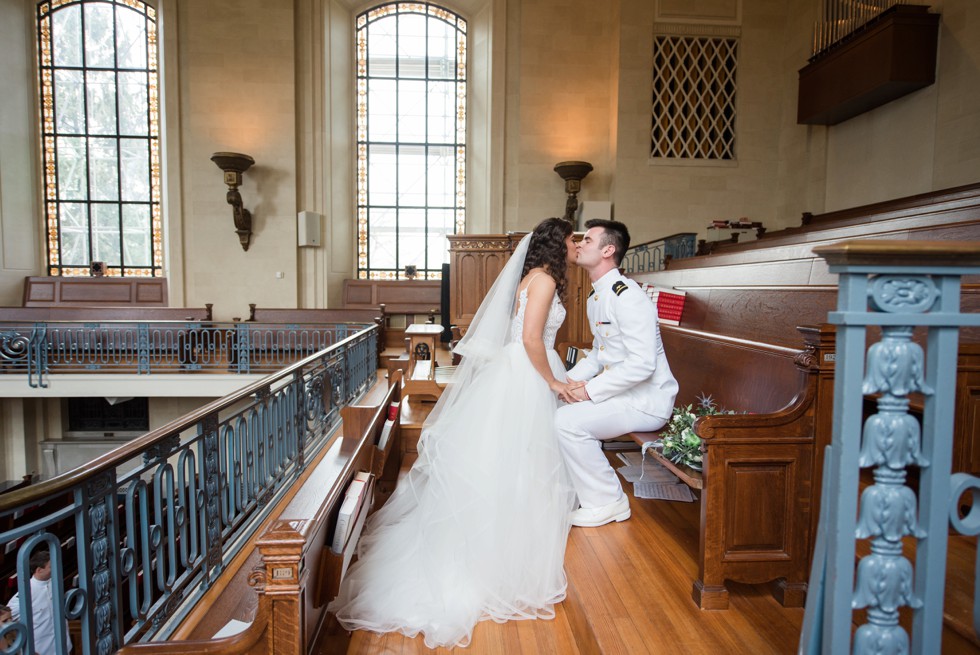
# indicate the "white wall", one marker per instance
pixel 21 230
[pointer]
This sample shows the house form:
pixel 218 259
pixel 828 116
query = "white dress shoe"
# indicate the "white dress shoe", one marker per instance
pixel 591 517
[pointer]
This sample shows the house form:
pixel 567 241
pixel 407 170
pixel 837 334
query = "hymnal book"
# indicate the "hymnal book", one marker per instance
pixel 349 508
pixel 358 526
pixel 669 302
pixel 385 433
pixel 393 410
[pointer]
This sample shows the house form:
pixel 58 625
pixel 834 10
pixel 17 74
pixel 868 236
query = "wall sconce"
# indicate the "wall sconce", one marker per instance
pixel 573 172
pixel 234 164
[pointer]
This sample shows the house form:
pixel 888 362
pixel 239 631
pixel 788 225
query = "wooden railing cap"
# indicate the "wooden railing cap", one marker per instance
pixel 872 252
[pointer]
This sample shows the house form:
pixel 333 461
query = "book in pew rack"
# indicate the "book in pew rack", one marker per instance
pixel 669 302
pixel 355 504
pixel 389 424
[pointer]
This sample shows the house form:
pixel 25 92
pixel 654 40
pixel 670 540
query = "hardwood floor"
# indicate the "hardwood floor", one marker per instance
pixel 630 592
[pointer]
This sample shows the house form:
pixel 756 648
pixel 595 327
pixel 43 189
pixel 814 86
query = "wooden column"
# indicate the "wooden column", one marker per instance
pixel 282 549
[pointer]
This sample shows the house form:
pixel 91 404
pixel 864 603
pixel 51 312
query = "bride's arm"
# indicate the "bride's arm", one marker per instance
pixel 539 295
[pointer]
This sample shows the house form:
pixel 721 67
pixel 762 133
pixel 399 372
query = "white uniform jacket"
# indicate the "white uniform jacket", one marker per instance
pixel 627 358
pixel 42 609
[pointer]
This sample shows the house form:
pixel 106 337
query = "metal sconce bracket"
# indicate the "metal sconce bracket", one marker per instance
pixel 234 164
pixel 572 172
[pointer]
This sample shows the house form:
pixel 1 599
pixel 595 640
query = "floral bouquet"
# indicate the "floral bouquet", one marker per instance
pixel 681 444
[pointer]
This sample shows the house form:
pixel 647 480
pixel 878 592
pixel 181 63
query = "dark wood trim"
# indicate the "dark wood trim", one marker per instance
pixel 891 56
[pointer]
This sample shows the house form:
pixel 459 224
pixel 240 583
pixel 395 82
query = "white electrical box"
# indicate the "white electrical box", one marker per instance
pixel 308 229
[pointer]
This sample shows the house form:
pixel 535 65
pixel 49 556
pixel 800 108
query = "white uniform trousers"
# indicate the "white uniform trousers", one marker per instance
pixel 581 429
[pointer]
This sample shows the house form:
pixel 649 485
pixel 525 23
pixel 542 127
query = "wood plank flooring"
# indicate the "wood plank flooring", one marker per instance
pixel 630 592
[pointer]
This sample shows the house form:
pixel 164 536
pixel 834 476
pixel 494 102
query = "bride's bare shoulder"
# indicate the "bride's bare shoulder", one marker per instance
pixel 538 277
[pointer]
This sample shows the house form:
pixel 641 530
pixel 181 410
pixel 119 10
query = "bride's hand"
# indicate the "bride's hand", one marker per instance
pixel 564 389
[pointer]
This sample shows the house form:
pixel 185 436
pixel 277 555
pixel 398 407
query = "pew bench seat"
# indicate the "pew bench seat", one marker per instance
pixel 758 463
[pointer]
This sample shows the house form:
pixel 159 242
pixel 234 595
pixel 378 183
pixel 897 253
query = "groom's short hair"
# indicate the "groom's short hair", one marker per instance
pixel 614 234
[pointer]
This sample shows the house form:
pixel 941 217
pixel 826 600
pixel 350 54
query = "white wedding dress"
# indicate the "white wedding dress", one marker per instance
pixel 478 528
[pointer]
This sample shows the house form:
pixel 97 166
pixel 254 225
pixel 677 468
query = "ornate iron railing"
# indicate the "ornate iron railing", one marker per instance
pixel 138 535
pixel 653 255
pixel 44 348
pixel 895 286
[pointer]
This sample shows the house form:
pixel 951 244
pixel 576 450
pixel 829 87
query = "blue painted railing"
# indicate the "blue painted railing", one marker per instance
pixel 138 535
pixel 895 286
pixel 653 255
pixel 44 348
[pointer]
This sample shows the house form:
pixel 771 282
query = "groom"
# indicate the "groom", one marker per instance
pixel 625 383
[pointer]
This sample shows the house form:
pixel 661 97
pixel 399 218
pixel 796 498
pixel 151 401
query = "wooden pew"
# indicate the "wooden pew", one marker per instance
pixel 938 215
pixel 398 296
pixel 758 464
pixel 297 573
pixel 734 293
pixel 94 314
pixel 276 317
pixel 404 301
pixel 44 291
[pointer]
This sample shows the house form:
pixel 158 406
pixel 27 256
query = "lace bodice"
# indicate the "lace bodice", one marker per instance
pixel 556 316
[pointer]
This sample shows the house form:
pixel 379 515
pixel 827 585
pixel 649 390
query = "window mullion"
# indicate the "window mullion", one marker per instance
pixel 87 138
pixel 119 168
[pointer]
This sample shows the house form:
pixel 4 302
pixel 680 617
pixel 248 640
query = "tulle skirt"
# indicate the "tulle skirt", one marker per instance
pixel 478 528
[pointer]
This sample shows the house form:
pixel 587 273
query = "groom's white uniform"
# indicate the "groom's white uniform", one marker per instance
pixel 629 383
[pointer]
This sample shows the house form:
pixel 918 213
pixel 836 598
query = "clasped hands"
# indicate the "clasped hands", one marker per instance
pixel 572 391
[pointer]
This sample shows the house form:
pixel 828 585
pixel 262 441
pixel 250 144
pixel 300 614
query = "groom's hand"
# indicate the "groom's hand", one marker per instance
pixel 578 392
pixel 574 392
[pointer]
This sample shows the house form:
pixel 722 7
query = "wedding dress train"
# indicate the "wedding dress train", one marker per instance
pixel 478 528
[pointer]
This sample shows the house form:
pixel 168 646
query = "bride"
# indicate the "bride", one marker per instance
pixel 477 530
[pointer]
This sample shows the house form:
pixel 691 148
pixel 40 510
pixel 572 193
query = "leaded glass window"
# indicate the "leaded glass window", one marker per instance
pixel 411 138
pixel 100 136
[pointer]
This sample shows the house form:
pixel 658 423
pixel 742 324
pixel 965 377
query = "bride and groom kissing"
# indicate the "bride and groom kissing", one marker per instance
pixel 511 456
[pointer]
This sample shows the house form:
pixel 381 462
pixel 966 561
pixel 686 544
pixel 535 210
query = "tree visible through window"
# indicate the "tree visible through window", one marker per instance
pixel 100 137
pixel 411 138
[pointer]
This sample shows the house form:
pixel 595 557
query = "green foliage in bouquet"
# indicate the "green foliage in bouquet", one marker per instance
pixel 681 444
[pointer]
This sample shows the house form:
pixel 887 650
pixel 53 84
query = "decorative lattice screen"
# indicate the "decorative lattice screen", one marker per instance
pixel 694 97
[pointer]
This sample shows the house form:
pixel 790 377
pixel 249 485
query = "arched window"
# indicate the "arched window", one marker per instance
pixel 100 136
pixel 411 138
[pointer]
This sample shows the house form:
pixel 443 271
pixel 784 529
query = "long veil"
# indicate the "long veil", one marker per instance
pixel 477 528
pixel 488 333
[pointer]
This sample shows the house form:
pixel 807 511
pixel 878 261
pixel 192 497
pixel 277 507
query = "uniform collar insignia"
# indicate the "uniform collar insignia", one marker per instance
pixel 606 282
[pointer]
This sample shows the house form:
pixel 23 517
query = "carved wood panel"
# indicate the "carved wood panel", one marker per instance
pixel 476 261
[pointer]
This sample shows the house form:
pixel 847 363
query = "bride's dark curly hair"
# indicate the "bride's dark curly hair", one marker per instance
pixel 547 250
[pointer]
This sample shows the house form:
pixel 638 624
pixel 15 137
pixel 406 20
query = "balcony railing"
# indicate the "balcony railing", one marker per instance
pixel 653 255
pixel 41 349
pixel 138 535
pixel 897 287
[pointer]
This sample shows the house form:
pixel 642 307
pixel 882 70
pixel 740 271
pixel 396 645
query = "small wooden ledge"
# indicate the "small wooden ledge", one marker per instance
pixel 688 476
